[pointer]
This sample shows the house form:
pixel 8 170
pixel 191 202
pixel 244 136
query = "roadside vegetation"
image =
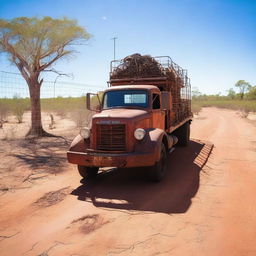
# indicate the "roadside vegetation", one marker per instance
pixel 244 100
pixel 73 108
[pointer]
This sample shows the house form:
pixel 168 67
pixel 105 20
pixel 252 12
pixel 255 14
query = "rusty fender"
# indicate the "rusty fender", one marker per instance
pixel 153 140
pixel 79 144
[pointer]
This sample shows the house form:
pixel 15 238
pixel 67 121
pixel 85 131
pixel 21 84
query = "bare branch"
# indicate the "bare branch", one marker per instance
pixel 41 81
pixel 54 50
pixel 58 72
pixel 14 53
pixel 46 65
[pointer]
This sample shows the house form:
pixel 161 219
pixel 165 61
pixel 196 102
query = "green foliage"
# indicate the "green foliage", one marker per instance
pixel 245 105
pixel 4 110
pixel 58 105
pixel 252 93
pixel 62 106
pixel 243 87
pixel 35 44
pixel 73 108
pixel 231 93
pixel 195 93
pixel 231 101
pixel 18 108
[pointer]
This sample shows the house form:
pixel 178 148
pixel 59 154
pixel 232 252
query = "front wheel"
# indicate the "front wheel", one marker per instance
pixel 158 171
pixel 88 172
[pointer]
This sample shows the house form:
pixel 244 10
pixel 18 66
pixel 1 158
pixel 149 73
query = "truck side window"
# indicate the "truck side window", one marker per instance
pixel 156 101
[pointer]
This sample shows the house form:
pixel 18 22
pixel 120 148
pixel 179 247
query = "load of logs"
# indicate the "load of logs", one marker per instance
pixel 137 66
pixel 143 66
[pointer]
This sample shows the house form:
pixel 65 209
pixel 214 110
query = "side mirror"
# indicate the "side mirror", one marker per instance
pixel 93 102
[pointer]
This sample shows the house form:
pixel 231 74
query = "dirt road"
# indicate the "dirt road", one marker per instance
pixel 205 206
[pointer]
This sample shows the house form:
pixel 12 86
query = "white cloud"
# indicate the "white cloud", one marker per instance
pixel 103 17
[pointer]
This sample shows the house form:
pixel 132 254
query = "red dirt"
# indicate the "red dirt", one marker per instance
pixel 205 206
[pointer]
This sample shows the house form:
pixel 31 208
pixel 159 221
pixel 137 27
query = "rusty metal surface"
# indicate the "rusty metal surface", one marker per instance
pixel 152 120
pixel 158 119
pixel 131 118
pixel 111 136
pixel 121 114
pixel 112 160
pixel 145 153
pixel 173 128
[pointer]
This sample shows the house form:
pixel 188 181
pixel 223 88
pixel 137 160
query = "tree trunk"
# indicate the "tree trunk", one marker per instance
pixel 36 129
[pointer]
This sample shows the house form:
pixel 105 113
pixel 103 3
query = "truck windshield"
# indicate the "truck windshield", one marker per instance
pixel 125 98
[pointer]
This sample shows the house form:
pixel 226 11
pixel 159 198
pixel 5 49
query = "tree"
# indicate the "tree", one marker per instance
pixel 34 45
pixel 252 93
pixel 231 93
pixel 196 93
pixel 243 87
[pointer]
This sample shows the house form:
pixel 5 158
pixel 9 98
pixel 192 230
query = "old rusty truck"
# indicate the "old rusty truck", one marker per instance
pixel 143 113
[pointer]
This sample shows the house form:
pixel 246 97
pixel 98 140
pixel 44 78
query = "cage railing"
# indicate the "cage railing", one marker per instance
pixel 165 62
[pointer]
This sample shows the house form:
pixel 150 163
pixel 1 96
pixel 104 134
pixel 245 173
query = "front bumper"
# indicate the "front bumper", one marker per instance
pixel 121 160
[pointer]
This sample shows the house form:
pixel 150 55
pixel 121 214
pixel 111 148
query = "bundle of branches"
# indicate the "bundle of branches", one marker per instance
pixel 139 66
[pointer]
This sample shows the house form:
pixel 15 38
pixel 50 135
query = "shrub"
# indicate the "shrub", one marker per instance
pixel 4 110
pixel 19 106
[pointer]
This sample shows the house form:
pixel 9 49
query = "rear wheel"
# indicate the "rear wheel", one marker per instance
pixel 183 134
pixel 158 171
pixel 88 172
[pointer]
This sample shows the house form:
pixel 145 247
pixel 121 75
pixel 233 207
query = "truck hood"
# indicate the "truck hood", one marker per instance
pixel 122 114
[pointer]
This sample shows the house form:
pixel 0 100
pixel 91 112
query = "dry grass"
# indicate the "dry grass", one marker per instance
pixel 245 106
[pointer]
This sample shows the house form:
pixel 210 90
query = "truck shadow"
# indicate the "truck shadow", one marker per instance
pixel 128 189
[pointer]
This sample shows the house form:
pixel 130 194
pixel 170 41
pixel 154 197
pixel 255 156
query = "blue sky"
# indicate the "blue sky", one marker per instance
pixel 214 40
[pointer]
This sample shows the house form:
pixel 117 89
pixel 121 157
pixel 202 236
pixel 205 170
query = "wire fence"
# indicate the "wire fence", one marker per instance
pixel 12 84
pixel 63 108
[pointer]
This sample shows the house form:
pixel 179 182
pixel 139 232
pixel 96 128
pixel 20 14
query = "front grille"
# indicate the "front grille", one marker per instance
pixel 111 137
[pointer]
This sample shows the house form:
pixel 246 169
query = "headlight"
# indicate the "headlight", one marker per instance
pixel 139 133
pixel 85 132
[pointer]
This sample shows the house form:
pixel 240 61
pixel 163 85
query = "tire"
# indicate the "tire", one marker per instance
pixel 183 134
pixel 158 171
pixel 88 172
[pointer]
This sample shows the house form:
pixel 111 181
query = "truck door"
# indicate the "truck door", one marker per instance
pixel 158 115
